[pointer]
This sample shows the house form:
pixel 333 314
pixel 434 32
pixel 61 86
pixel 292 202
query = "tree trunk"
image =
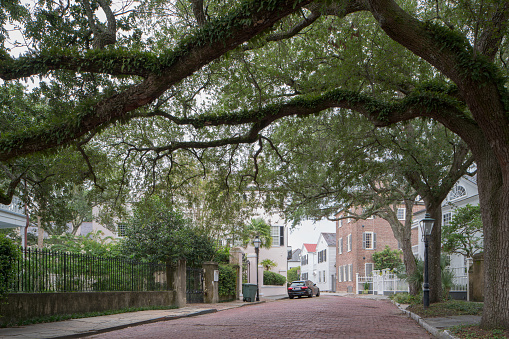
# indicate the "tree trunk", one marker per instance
pixel 410 265
pixel 494 201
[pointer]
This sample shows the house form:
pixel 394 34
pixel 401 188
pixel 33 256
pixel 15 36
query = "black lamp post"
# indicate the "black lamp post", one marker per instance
pixel 257 243
pixel 426 228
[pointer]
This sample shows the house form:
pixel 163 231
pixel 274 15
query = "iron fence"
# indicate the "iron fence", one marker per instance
pixel 50 271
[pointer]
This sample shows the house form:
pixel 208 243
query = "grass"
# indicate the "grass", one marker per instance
pixel 452 308
pixel 54 318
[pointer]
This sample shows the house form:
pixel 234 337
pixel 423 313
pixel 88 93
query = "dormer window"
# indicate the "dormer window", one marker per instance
pixel 457 191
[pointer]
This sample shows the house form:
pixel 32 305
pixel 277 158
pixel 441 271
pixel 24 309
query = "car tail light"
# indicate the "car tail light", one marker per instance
pixel 290 288
pixel 304 287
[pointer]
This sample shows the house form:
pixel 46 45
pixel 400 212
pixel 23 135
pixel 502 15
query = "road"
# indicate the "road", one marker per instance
pixel 322 317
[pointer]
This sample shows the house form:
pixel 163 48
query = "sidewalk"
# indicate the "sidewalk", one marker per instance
pixel 78 328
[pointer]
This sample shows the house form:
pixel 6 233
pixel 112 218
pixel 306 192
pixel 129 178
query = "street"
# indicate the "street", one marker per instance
pixel 322 317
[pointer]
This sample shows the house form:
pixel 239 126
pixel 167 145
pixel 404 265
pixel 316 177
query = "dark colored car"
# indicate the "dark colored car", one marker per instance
pixel 301 288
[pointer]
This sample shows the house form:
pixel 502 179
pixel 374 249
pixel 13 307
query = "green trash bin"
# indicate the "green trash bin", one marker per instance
pixel 249 292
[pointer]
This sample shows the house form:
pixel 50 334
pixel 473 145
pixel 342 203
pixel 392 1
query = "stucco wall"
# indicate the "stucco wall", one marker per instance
pixel 28 305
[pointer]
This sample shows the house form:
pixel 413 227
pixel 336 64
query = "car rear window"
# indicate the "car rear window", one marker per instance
pixel 298 283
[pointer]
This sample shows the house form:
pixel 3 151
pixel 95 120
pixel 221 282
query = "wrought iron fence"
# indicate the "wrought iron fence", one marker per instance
pixel 49 271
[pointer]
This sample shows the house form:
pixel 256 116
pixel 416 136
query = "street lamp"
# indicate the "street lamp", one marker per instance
pixel 426 228
pixel 257 243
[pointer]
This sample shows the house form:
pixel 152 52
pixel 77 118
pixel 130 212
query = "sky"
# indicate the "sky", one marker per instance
pixel 308 232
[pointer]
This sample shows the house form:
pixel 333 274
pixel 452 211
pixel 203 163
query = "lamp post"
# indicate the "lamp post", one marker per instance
pixel 257 243
pixel 426 228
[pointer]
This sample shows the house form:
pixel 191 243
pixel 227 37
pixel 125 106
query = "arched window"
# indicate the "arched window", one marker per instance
pixel 457 191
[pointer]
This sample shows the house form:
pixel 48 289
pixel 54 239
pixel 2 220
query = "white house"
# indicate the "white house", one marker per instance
pixel 325 252
pixel 294 258
pixel 308 262
pixel 463 193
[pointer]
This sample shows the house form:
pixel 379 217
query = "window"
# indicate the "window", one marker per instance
pixel 323 275
pixel 369 240
pixel 278 235
pixel 304 260
pixel 350 271
pixel 340 245
pixel 401 214
pixel 457 191
pixel 304 276
pixel 346 273
pixel 320 276
pixel 341 273
pixel 322 256
pixel 340 223
pixel 349 243
pixel 446 219
pixel 121 230
pixel 368 269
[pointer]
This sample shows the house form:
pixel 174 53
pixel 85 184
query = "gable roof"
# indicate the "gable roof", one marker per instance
pixel 295 255
pixel 310 247
pixel 330 238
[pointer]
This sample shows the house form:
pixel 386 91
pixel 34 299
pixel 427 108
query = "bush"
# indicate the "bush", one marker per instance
pixel 8 253
pixel 293 274
pixel 272 278
pixel 405 298
pixel 227 280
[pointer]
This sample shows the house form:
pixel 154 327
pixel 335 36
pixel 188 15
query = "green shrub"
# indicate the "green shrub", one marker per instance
pixel 405 298
pixel 8 253
pixel 293 274
pixel 227 280
pixel 272 278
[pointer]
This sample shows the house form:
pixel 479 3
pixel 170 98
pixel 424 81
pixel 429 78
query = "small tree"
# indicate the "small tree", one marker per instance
pixel 387 258
pixel 158 232
pixel 293 273
pixel 8 253
pixel 257 227
pixel 268 264
pixel 464 235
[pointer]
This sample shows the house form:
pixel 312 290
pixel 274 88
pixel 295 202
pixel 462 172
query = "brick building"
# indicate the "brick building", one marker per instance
pixel 357 240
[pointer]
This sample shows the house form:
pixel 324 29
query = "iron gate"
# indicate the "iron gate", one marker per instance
pixel 194 285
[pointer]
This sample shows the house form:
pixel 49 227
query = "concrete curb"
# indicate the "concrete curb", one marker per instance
pixel 442 334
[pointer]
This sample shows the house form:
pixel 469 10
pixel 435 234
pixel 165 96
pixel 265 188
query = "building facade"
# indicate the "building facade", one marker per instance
pixel 325 251
pixel 357 240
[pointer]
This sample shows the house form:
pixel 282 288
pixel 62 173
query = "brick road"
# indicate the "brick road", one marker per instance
pixel 323 317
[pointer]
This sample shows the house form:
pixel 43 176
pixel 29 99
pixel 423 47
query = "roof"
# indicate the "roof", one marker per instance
pixel 310 247
pixel 330 238
pixel 295 255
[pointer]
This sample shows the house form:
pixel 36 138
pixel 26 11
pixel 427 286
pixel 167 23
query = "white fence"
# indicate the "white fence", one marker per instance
pixel 385 282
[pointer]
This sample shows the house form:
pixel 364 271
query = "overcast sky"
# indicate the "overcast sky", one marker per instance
pixel 308 232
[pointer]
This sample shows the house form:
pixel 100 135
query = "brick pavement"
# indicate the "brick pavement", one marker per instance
pixel 323 317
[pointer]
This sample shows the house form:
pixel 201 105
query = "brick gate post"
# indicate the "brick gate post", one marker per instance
pixel 211 282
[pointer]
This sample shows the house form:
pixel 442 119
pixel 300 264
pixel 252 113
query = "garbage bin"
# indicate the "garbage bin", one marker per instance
pixel 249 292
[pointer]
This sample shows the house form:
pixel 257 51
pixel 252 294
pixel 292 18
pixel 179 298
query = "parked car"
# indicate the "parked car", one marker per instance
pixel 301 288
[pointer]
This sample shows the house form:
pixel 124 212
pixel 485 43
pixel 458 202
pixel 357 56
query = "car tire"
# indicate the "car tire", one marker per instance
pixel 318 294
pixel 310 295
pixel 291 296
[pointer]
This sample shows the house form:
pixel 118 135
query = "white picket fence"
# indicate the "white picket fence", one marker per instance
pixel 386 282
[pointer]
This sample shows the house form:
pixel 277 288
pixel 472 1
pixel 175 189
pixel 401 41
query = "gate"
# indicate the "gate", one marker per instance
pixel 194 285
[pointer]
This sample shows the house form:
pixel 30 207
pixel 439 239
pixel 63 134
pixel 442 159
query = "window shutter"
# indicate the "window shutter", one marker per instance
pixel 325 255
pixel 350 242
pixel 281 235
pixel 364 240
pixel 374 240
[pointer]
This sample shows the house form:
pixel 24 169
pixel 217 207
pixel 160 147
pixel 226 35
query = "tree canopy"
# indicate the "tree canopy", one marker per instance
pixel 213 74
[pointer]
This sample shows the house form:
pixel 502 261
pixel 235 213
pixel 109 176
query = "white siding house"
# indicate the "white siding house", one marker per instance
pixel 326 260
pixel 308 262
